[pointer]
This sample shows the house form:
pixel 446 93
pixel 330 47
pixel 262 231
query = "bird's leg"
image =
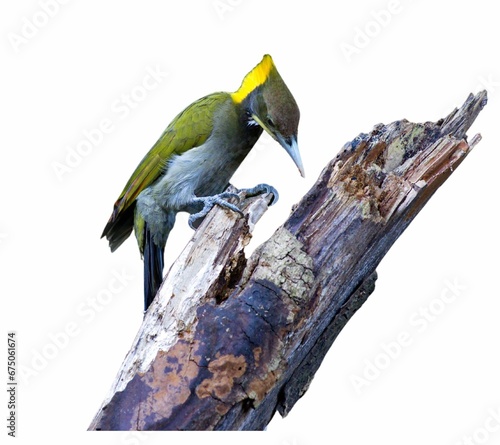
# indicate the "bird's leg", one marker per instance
pixel 261 189
pixel 221 199
pixel 208 202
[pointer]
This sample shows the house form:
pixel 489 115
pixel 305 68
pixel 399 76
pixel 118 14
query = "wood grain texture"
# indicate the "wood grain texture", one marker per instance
pixel 229 340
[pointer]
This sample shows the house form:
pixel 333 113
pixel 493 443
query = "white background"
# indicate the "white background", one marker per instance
pixel 72 71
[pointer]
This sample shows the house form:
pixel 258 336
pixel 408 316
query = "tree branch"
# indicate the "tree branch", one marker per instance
pixel 229 341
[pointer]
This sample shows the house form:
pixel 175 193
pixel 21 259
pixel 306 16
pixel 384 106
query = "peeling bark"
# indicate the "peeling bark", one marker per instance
pixel 229 341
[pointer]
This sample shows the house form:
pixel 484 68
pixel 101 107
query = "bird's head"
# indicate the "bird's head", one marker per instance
pixel 269 103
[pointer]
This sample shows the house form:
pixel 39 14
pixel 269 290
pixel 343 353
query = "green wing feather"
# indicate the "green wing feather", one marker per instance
pixel 189 129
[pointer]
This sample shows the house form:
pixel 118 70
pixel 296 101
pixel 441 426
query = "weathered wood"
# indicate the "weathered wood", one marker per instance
pixel 228 341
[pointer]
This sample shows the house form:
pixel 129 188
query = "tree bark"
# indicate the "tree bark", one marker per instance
pixel 230 340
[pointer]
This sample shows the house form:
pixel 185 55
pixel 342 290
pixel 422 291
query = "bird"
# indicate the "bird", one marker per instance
pixel 189 168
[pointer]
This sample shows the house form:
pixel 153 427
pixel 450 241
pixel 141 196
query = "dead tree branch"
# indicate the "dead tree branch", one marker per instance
pixel 230 340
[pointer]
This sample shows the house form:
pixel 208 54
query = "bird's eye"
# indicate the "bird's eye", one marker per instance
pixel 270 121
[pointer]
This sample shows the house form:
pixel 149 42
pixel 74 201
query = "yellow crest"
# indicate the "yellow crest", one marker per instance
pixel 254 78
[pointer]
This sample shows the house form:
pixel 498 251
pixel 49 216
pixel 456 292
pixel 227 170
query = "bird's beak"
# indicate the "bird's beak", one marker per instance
pixel 289 144
pixel 292 148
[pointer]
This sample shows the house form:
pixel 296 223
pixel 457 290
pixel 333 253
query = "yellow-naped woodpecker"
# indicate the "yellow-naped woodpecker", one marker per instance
pixel 190 166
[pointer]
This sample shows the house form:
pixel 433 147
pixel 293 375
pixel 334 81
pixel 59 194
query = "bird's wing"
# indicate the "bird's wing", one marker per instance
pixel 189 129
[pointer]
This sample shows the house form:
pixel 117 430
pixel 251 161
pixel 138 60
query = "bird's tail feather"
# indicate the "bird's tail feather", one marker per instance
pixel 119 228
pixel 153 269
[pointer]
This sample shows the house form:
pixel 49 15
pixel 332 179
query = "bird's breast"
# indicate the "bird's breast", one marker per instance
pixel 203 171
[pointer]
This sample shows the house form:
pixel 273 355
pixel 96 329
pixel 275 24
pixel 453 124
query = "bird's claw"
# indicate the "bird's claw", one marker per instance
pixel 228 195
pixel 209 202
pixel 261 189
pixel 221 200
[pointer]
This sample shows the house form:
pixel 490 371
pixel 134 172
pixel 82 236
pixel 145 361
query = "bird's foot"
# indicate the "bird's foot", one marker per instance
pixel 208 202
pixel 221 200
pixel 261 189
